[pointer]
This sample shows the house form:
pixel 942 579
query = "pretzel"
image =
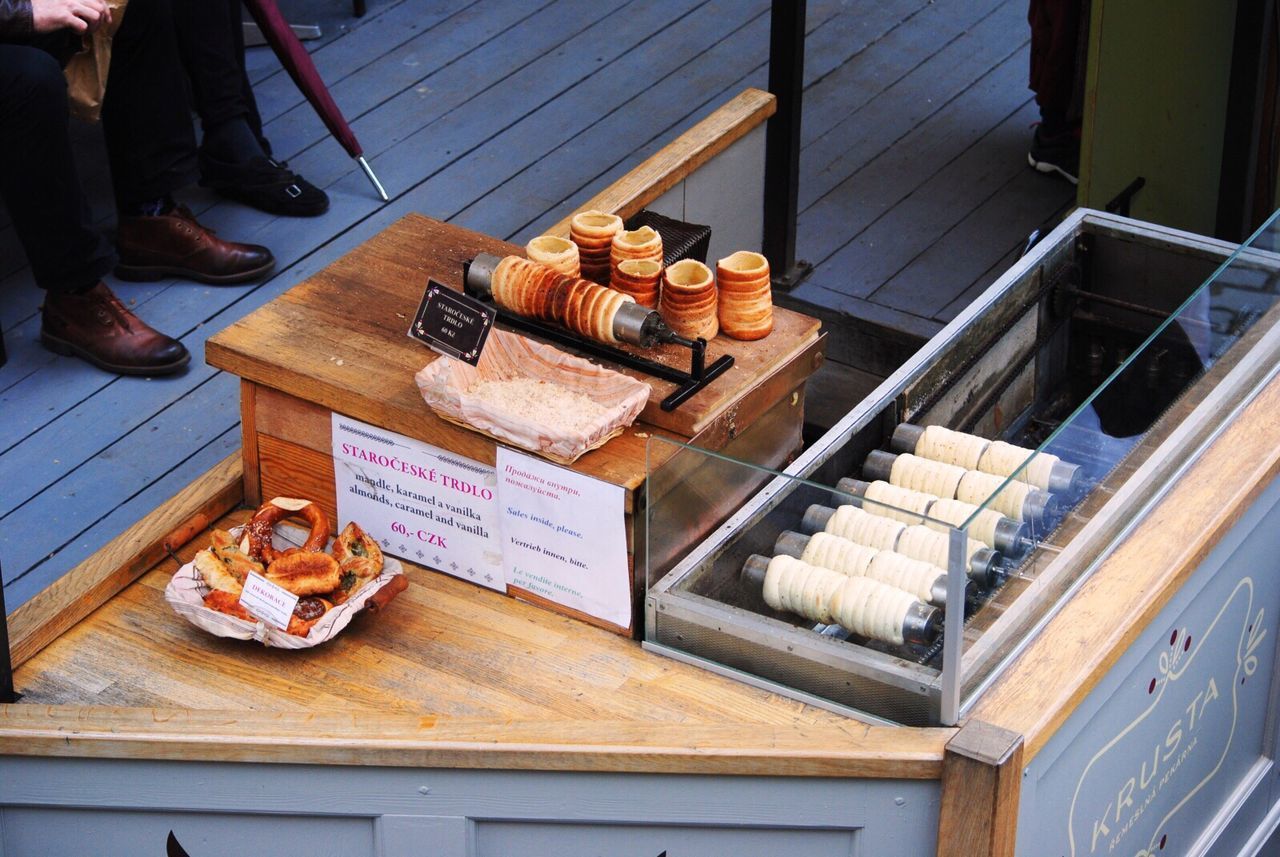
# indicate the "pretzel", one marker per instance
pixel 257 533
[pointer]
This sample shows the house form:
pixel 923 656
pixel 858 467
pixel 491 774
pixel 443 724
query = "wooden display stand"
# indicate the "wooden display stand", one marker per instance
pixel 338 343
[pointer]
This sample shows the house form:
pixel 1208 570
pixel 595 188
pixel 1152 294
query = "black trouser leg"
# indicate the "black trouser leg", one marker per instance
pixel 38 177
pixel 211 41
pixel 145 115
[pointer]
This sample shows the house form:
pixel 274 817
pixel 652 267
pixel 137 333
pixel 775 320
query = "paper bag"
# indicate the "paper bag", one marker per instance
pixel 87 70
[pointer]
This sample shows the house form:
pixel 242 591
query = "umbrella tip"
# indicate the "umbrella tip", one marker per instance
pixel 368 171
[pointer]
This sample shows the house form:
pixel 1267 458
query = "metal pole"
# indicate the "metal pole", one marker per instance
pixel 7 693
pixel 953 627
pixel 782 143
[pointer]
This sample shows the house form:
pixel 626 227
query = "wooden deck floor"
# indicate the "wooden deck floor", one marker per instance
pixel 501 117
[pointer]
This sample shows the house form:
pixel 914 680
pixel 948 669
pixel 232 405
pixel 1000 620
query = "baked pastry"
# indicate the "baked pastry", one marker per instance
pixel 593 232
pixel 559 254
pixel 359 561
pixel 745 307
pixel 257 533
pixel 306 613
pixel 639 278
pixel 688 301
pixel 305 572
pixel 536 291
pixel 643 244
pixel 227 549
pixel 216 575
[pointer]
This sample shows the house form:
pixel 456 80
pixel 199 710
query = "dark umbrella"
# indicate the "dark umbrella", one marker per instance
pixel 294 57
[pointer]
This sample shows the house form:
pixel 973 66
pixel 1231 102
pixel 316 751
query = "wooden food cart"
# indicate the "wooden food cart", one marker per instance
pixel 461 721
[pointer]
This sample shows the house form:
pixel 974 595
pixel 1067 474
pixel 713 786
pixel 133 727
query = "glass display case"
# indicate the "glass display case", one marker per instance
pixel 985 479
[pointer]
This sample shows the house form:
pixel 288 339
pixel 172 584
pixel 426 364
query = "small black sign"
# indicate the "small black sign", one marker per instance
pixel 452 323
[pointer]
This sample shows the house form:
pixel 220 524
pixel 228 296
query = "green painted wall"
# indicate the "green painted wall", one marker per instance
pixel 1155 103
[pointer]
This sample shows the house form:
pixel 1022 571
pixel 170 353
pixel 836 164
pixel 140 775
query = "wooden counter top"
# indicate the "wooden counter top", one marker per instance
pixel 448 675
pixel 340 340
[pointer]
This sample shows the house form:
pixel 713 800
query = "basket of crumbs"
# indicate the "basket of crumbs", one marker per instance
pixel 534 396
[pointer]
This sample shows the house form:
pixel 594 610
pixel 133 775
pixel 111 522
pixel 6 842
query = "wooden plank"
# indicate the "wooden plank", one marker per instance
pixel 249 456
pixel 1103 618
pixel 42 619
pixel 668 167
pixel 442 675
pixel 932 210
pixel 57 514
pixel 662 111
pixel 488 90
pixel 856 751
pixel 981 783
pixel 871 181
pixel 1004 220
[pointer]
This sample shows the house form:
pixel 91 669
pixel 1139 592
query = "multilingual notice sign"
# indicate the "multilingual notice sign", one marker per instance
pixel 545 529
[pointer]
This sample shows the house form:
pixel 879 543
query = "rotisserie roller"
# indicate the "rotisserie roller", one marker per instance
pixel 586 308
pixel 1018 500
pixel 918 542
pixel 1046 472
pixel 988 526
pixel 925 581
pixel 863 606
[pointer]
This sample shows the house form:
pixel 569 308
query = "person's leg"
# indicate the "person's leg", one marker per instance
pixel 235 157
pixel 42 191
pixel 146 118
pixel 211 45
pixel 1055 72
pixel 150 145
pixel 38 180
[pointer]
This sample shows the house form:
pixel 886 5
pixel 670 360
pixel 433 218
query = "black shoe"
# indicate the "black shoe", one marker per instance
pixel 265 184
pixel 1058 154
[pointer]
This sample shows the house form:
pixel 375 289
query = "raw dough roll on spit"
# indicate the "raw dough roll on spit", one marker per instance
pixel 924 581
pixel 554 252
pixel 947 481
pixel 989 527
pixel 536 291
pixel 900 504
pixel 925 476
pixel 593 232
pixel 1046 472
pixel 977 487
pixel 917 541
pixel 951 447
pixel 854 524
pixel 863 606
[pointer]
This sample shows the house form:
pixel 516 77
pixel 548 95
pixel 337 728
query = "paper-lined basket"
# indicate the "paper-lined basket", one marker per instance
pixel 446 383
pixel 186 590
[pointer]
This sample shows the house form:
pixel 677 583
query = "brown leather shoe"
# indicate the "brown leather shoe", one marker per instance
pixel 176 245
pixel 95 326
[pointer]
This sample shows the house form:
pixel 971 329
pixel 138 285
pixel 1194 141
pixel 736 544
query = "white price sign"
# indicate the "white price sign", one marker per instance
pixel 421 503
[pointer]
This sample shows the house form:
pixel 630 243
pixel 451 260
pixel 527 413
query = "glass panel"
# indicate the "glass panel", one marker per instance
pixel 1112 342
pixel 803 561
pixel 1132 366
